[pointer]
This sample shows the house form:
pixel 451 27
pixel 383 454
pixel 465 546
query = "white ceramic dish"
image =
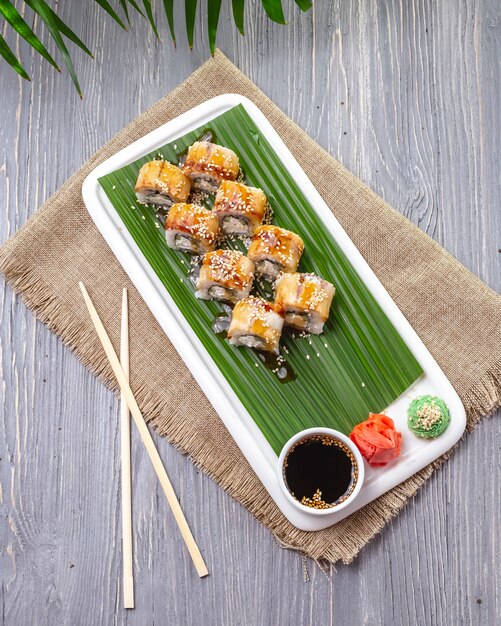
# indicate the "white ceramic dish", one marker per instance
pixel 304 434
pixel 416 453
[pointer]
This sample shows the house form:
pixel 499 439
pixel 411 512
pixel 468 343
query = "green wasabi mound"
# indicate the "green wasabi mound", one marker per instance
pixel 428 417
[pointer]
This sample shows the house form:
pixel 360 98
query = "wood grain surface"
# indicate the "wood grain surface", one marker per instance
pixel 406 93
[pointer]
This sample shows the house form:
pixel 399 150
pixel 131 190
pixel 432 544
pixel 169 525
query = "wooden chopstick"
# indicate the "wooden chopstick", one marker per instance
pixel 128 573
pixel 146 437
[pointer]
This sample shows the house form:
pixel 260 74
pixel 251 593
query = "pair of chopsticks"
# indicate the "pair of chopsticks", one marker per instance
pixel 121 371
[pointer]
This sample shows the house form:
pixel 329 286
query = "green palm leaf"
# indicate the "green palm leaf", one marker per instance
pixel 124 4
pixel 46 13
pixel 125 9
pixel 11 59
pixel 151 19
pixel 213 11
pixel 304 5
pixel 111 11
pixel 136 6
pixel 67 32
pixel 190 9
pixel 169 12
pixel 57 27
pixel 274 10
pixel 238 14
pixel 12 16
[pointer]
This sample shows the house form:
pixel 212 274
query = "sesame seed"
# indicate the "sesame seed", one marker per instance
pixel 428 416
pixel 114 187
pixel 308 357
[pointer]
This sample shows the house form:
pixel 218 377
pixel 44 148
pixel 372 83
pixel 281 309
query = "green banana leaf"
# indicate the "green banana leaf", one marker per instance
pixel 360 364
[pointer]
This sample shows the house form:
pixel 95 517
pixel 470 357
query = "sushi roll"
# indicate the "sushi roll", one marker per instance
pixel 240 209
pixel 305 300
pixel 191 228
pixel 256 323
pixel 208 164
pixel 275 250
pixel 225 275
pixel 162 184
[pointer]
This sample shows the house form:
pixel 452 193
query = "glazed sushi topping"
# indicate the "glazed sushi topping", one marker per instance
pixel 195 221
pixel 255 323
pixel 233 196
pixel 161 182
pixel 305 300
pixel 208 158
pixel 240 209
pixel 228 267
pixel 313 290
pixel 258 309
pixel 278 242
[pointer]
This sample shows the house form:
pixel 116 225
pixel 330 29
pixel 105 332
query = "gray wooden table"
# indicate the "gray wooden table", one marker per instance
pixel 407 95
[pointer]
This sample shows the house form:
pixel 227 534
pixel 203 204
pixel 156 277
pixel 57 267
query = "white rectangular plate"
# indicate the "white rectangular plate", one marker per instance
pixel 416 453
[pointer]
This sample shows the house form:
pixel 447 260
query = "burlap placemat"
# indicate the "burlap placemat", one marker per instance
pixel 456 315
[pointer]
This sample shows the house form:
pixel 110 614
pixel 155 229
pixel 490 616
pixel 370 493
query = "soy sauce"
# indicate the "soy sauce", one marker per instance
pixel 194 274
pixel 278 365
pixel 320 471
pixel 220 324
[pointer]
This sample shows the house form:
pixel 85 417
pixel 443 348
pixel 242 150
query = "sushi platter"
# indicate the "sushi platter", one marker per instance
pixel 275 312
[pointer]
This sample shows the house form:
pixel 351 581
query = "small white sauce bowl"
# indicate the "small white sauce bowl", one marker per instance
pixel 335 434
